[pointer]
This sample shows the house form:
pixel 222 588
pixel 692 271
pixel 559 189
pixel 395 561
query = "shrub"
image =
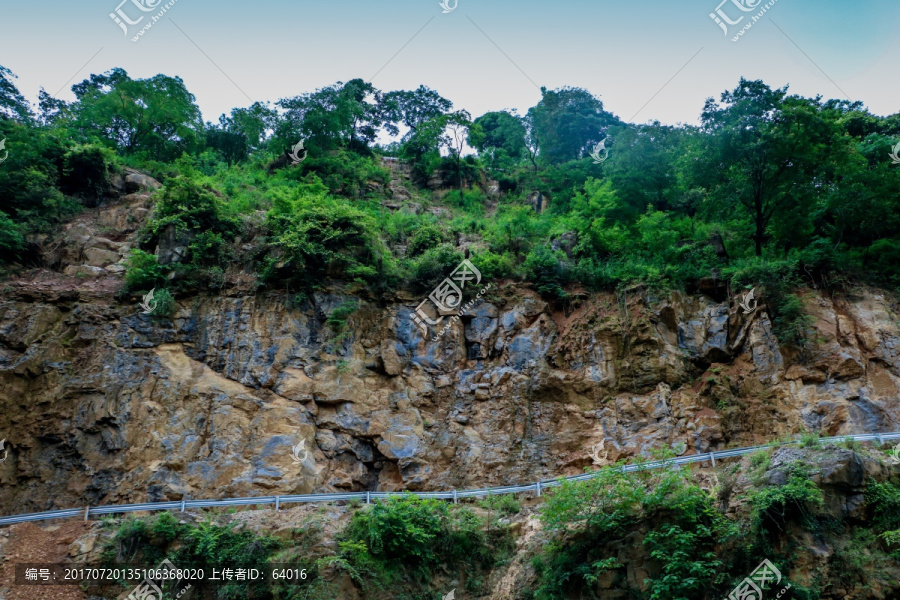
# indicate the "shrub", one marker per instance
pixel 425 239
pixel 809 440
pixel 11 240
pixel 318 236
pixel 165 303
pixel 883 504
pixel 86 170
pixel 345 173
pixel 434 266
pixel 546 269
pixel 505 504
pixel 185 203
pixel 775 506
pixel 144 272
pixel 777 279
pixel 337 320
pixel 586 516
pixel 415 536
pixel 148 541
pixel 494 266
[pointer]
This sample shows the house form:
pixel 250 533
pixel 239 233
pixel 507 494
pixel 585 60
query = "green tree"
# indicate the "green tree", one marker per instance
pixel 12 103
pixel 500 137
pixel 347 115
pixel 412 109
pixel 255 123
pixel 157 116
pixel 772 154
pixel 567 122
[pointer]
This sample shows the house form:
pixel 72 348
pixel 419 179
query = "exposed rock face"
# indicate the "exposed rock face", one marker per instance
pixel 103 404
pixel 100 403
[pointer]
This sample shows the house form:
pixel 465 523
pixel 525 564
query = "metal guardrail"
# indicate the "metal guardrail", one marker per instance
pixel 535 488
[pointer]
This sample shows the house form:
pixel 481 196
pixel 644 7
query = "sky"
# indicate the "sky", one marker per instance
pixel 646 59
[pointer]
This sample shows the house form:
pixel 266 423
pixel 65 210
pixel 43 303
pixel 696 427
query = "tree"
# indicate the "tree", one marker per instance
pixel 457 128
pixel 643 166
pixel 255 123
pixel 412 109
pixel 338 115
pixel 155 116
pixel 499 136
pixel 771 152
pixel 231 145
pixel 51 108
pixel 567 122
pixel 12 103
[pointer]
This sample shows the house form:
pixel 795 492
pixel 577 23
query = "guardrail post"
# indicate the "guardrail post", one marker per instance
pixel 87 512
pixel 538 486
pixel 455 498
pixel 712 457
pixel 182 504
pixel 277 502
pixel 368 497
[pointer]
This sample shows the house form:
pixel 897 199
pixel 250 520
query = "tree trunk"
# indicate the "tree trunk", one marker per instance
pixel 759 217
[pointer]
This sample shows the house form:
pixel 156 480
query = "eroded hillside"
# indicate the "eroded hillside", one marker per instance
pixel 104 404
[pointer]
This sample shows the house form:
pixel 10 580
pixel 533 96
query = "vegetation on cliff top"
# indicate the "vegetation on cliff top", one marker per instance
pixel 771 188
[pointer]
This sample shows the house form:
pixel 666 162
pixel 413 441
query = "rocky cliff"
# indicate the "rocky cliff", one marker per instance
pixel 243 394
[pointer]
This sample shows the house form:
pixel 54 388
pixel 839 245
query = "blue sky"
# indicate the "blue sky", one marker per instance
pixel 650 59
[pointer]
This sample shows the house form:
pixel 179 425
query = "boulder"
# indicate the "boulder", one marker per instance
pixel 137 182
pixel 97 257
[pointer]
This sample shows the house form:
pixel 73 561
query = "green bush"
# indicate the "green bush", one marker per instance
pixel 86 170
pixel 314 236
pixel 425 239
pixel 809 440
pixel 11 240
pixel 344 172
pixel 883 504
pixel 337 320
pixel 186 204
pixel 683 531
pixel 434 266
pixel 795 501
pixel 417 536
pixel 505 504
pixel 494 266
pixel 165 303
pixel 144 272
pixel 547 269
pixel 147 541
pixel 775 281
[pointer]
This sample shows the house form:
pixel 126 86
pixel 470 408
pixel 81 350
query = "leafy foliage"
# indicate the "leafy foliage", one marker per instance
pixel 416 536
pixel 684 529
